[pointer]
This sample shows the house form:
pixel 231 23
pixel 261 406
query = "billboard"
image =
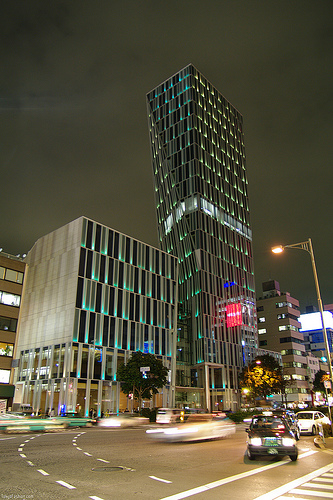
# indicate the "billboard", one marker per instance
pixel 234 314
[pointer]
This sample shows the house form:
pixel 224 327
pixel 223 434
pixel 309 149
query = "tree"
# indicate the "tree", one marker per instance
pixel 142 386
pixel 263 377
pixel 318 382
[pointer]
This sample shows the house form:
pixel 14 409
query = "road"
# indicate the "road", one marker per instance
pixel 109 464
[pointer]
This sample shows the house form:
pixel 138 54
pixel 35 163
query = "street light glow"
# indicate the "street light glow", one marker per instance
pixel 278 249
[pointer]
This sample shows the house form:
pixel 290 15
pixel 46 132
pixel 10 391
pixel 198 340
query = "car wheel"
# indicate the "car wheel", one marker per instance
pixel 293 457
pixel 314 430
pixel 249 455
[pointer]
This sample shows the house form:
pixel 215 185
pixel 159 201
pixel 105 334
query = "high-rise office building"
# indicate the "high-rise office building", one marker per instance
pixel 198 159
pixel 11 283
pixel 279 330
pixel 92 296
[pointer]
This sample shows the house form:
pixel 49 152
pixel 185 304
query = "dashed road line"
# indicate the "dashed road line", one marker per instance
pixel 160 479
pixel 69 486
pixel 43 472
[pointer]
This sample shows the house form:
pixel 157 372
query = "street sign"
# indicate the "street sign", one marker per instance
pixel 145 369
pixel 327 384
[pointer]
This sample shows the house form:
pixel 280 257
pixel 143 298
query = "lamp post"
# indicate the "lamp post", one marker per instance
pixel 307 246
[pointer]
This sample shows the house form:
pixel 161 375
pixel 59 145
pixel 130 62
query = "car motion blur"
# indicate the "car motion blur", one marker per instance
pixel 123 421
pixel 311 421
pixel 197 427
pixel 270 435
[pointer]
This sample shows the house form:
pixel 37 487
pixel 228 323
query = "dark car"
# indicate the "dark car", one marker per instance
pixel 292 419
pixel 270 435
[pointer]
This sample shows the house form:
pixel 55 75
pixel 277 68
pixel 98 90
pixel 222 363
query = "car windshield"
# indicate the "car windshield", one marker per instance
pixel 267 423
pixel 305 416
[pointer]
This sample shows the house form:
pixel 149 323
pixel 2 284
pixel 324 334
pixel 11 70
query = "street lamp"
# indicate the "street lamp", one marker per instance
pixel 307 246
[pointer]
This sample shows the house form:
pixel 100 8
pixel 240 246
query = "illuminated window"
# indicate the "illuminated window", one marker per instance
pixel 261 331
pixel 4 376
pixel 6 349
pixel 262 320
pixel 9 299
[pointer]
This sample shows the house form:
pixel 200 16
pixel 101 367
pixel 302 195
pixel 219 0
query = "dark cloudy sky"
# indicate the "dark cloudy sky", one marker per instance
pixel 74 135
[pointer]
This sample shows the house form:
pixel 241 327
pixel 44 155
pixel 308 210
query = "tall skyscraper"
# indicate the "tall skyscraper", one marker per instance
pixel 198 159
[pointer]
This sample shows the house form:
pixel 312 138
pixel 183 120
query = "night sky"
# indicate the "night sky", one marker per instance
pixel 74 135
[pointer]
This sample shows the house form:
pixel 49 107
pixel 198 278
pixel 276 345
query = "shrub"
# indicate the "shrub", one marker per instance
pixel 149 413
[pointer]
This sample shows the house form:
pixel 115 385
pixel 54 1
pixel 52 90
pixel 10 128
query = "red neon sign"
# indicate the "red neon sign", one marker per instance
pixel 234 315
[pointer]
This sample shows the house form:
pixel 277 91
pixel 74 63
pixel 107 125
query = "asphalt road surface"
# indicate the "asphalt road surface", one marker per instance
pixel 109 464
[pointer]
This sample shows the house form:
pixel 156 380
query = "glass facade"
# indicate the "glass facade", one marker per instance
pixel 124 301
pixel 198 159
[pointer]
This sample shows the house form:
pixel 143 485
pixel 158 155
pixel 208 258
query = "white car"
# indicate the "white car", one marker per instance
pixel 310 421
pixel 196 428
pixel 123 421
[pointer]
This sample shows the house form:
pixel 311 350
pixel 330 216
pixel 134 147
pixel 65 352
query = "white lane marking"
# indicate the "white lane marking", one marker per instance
pixel 19 449
pixel 30 463
pixel 293 484
pixel 320 494
pixel 43 472
pixel 102 460
pixel 69 486
pixel 96 498
pixel 159 479
pixel 88 454
pixel 319 486
pixel 326 480
pixel 23 455
pixel 78 448
pixel 230 479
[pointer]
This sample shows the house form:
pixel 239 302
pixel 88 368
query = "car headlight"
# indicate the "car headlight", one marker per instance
pixel 288 442
pixel 255 441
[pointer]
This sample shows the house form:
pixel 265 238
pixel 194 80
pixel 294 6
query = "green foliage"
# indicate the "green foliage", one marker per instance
pixel 132 380
pixel 149 413
pixel 318 382
pixel 263 377
pixel 238 416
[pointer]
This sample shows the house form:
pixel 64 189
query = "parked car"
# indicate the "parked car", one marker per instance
pixel 310 421
pixel 270 435
pixel 292 419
